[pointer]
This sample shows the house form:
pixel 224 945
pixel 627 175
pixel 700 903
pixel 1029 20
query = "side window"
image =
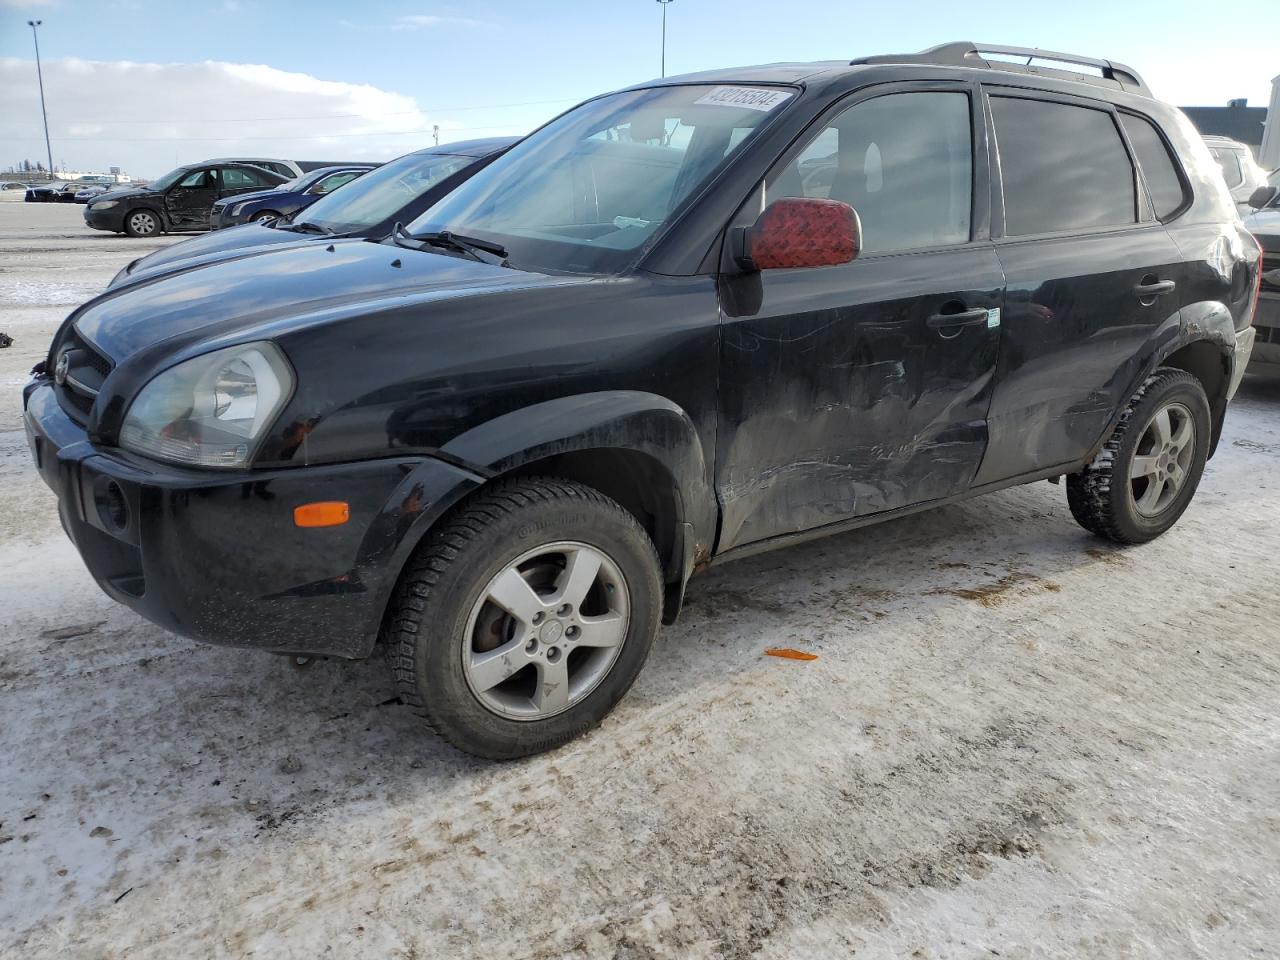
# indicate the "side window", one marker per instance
pixel 274 167
pixel 197 180
pixel 1159 169
pixel 903 161
pixel 235 178
pixel 333 182
pixel 1063 167
pixel 1230 165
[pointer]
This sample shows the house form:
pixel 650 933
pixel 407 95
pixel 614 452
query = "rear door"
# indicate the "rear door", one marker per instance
pixel 1090 274
pixel 856 389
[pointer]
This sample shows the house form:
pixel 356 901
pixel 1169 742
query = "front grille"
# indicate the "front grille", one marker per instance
pixel 87 369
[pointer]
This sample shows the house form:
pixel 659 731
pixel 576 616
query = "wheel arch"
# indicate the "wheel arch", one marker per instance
pixel 640 449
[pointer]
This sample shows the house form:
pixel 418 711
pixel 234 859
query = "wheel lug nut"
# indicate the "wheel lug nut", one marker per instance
pixel 565 610
pixel 538 617
pixel 553 654
pixel 531 646
pixel 572 632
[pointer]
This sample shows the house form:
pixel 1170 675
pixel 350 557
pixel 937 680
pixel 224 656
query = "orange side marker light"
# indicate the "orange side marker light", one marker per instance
pixel 326 513
pixel 786 653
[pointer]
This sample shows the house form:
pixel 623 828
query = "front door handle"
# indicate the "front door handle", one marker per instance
pixel 966 318
pixel 1157 289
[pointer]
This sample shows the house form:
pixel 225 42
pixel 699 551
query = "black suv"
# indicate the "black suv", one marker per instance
pixel 680 323
pixel 180 200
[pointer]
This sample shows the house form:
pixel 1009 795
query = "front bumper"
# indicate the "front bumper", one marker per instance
pixel 109 219
pixel 215 555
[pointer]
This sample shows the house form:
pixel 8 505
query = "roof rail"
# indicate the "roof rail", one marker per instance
pixel 966 54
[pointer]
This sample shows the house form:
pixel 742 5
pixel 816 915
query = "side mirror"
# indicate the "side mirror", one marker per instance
pixel 799 232
pixel 1263 197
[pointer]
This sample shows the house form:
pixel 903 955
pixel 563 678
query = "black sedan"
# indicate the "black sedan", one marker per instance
pixel 395 192
pixel 180 200
pixel 287 199
pixel 54 193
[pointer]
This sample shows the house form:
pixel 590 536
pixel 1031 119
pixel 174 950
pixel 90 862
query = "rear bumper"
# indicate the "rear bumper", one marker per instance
pixel 1266 322
pixel 215 555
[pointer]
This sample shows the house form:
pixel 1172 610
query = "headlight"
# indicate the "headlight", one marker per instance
pixel 103 204
pixel 210 411
pixel 234 210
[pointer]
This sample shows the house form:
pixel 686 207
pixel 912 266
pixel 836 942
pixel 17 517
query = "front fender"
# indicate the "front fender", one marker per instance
pixel 609 420
pixel 612 420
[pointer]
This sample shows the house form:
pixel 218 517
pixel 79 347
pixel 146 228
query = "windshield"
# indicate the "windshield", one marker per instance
pixel 169 179
pixel 380 193
pixel 584 193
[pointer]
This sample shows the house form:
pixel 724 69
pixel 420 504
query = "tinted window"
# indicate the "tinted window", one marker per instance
pixel 235 178
pixel 904 162
pixel 1158 167
pixel 1063 167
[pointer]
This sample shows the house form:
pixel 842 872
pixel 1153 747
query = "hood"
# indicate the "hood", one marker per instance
pixel 120 193
pixel 255 195
pixel 240 241
pixel 274 290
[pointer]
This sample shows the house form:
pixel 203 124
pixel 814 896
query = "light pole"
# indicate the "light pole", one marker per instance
pixel 664 35
pixel 40 76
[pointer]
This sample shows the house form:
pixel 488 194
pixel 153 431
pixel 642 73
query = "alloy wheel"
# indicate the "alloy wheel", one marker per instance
pixel 1162 459
pixel 545 630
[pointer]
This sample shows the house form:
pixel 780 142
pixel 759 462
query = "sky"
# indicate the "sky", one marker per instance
pixel 150 84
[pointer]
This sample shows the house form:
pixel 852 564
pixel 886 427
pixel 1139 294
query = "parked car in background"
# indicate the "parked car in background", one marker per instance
pixel 395 192
pixel 56 192
pixel 180 200
pixel 286 199
pixel 1239 169
pixel 12 190
pixel 93 190
pixel 498 443
pixel 1264 224
pixel 287 168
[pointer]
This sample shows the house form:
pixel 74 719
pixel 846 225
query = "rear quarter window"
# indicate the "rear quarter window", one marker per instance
pixel 1063 167
pixel 1159 169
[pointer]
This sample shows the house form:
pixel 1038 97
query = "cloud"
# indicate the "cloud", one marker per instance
pixel 423 21
pixel 150 117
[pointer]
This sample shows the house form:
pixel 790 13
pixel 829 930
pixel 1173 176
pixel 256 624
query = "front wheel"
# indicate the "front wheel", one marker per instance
pixel 1148 470
pixel 525 618
pixel 141 223
pixel 264 216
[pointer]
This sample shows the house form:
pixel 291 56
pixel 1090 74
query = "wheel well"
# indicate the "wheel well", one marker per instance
pixel 636 481
pixel 1207 363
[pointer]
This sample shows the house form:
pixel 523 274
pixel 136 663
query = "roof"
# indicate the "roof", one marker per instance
pixel 473 148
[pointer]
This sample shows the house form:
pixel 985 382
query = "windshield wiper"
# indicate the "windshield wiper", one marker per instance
pixel 306 227
pixel 472 247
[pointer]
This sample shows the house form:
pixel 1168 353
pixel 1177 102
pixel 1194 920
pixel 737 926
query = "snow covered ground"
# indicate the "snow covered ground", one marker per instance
pixel 1016 741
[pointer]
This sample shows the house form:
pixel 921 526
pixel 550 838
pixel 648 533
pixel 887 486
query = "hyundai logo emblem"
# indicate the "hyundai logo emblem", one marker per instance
pixel 63 368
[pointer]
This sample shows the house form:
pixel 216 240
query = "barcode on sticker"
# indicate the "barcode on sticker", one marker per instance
pixel 753 98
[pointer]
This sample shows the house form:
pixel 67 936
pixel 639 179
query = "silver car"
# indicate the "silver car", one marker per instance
pixel 1239 169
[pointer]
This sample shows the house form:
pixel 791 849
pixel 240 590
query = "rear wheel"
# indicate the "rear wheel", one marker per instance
pixel 1147 472
pixel 141 223
pixel 525 618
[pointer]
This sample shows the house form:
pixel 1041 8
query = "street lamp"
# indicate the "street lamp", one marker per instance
pixel 40 76
pixel 664 35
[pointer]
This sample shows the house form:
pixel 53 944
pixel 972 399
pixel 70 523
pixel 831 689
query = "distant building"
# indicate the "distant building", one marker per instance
pixel 1236 120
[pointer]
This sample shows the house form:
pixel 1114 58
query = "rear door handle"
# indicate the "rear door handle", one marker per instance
pixel 966 318
pixel 1157 289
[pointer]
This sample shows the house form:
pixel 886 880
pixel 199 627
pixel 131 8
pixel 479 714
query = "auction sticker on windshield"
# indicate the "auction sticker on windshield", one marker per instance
pixel 753 98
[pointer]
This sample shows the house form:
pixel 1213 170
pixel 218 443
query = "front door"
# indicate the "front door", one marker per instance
pixel 189 200
pixel 862 388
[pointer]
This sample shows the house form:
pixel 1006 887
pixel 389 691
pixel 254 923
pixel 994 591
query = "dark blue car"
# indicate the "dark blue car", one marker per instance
pixel 286 199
